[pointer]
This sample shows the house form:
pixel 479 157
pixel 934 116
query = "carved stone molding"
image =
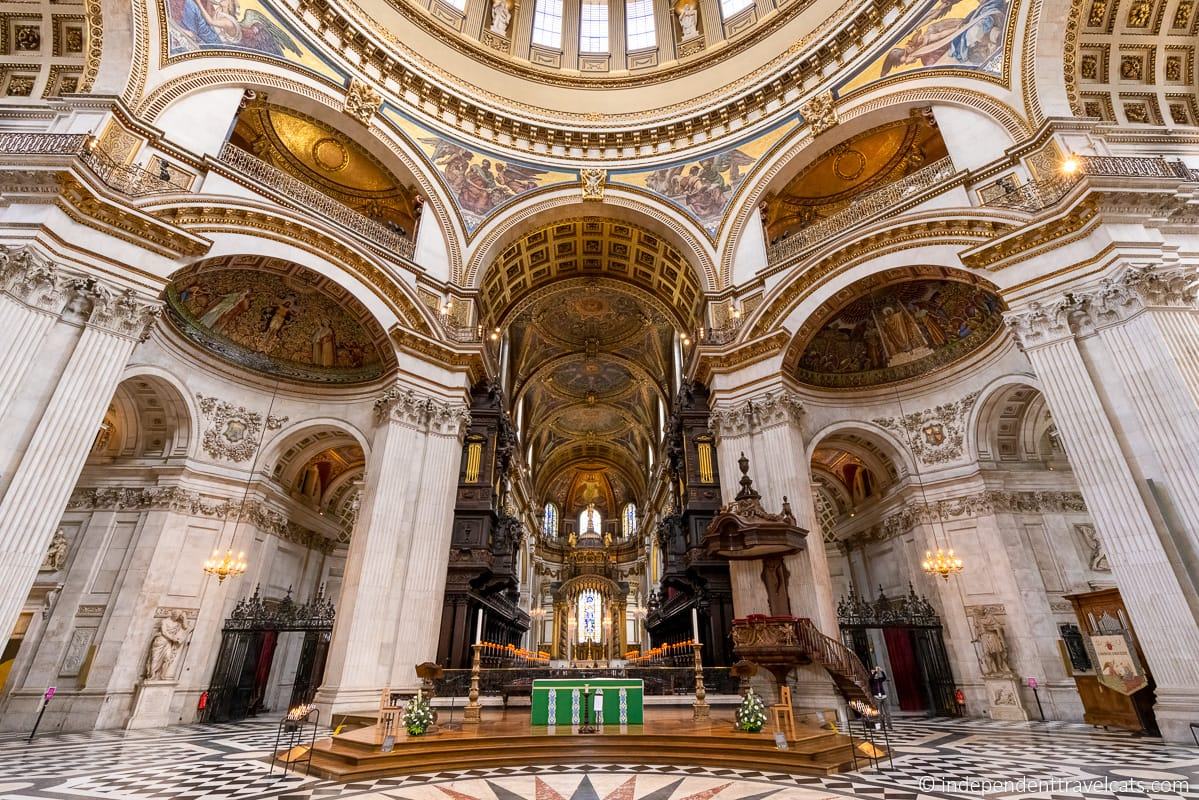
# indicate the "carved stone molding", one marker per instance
pixel 820 112
pixel 934 435
pixel 362 101
pixel 234 433
pixel 593 180
pixel 408 407
pixel 758 413
pixel 1111 301
pixel 184 501
pixel 123 312
pixel 31 279
pixel 975 505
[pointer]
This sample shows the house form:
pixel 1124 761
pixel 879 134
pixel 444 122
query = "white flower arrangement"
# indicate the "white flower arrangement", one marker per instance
pixel 751 714
pixel 418 715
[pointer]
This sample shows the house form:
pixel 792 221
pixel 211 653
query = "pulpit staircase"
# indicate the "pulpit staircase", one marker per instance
pixel 842 664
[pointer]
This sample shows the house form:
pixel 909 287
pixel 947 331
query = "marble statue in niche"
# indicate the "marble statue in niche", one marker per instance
pixel 165 645
pixel 501 17
pixel 56 554
pixel 689 20
pixel 990 636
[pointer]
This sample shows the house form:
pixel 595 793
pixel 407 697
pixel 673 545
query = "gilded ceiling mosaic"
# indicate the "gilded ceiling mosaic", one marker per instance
pixel 862 164
pixel 289 323
pixel 898 332
pixel 961 34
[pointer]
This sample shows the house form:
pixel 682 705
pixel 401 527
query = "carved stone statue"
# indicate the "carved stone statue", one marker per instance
pixel 994 646
pixel 688 19
pixel 1096 555
pixel 56 555
pixel 165 646
pixel 501 16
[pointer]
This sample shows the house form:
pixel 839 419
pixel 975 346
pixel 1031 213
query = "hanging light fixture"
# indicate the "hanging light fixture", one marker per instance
pixel 228 565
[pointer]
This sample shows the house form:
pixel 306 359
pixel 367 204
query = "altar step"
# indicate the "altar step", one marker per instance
pixel 356 755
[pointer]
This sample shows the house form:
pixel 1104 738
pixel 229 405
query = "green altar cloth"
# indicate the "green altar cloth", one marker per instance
pixel 559 701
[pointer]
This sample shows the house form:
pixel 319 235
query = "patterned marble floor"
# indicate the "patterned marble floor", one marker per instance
pixel 942 759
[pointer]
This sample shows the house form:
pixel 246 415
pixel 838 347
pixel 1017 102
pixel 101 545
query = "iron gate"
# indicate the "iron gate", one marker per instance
pixel 912 617
pixel 248 643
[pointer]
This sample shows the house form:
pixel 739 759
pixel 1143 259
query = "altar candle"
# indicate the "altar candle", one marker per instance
pixel 694 624
pixel 479 628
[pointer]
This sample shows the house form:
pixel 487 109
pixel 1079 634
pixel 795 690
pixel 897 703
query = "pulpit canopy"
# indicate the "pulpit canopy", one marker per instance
pixel 745 530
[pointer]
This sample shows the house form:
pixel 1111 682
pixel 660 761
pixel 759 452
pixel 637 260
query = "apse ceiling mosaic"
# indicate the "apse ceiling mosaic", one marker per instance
pixel 860 164
pixel 898 331
pixel 279 319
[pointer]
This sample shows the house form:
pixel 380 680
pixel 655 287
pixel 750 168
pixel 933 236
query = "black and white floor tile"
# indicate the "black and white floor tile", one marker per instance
pixel 938 760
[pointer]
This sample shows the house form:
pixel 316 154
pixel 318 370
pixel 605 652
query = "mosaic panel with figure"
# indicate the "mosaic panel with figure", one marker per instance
pixel 282 325
pixel 900 331
pixel 962 34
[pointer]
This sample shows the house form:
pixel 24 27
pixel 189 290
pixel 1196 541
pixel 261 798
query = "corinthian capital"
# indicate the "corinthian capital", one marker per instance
pixel 120 311
pixel 30 278
pixel 758 413
pixel 406 406
pixel 1142 286
pixel 1042 323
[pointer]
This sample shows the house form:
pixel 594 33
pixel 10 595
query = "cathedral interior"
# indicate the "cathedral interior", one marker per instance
pixel 833 363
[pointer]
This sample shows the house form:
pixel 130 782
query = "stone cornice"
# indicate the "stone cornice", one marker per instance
pixel 974 505
pixel 406 406
pixel 184 501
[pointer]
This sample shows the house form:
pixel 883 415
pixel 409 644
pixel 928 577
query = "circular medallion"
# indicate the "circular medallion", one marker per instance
pixel 330 154
pixel 849 164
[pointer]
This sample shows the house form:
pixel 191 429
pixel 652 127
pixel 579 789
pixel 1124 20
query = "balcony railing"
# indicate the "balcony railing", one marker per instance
pixel 1035 196
pixel 310 199
pixel 862 209
pixel 128 179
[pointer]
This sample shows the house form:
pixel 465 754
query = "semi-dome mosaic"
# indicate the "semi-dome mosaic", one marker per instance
pixel 899 331
pixel 292 324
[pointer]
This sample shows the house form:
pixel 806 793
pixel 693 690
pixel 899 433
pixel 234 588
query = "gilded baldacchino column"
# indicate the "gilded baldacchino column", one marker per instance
pixel 1106 463
pixel 401 519
pixel 113 321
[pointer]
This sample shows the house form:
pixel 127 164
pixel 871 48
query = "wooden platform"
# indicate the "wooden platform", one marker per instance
pixel 506 738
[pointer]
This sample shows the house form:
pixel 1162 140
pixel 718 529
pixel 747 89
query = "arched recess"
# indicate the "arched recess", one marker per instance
pixel 856 116
pixel 544 209
pixel 1012 426
pixel 150 418
pixel 854 465
pixel 238 228
pixel 323 101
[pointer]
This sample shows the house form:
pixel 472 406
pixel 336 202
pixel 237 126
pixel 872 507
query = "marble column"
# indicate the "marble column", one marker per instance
pixel 31 298
pixel 410 460
pixel 732 427
pixel 113 322
pixel 1154 593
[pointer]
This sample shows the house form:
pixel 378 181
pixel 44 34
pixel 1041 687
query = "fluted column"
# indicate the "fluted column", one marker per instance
pixel 113 322
pixel 429 555
pixel 405 473
pixel 732 427
pixel 1155 595
pixel 31 297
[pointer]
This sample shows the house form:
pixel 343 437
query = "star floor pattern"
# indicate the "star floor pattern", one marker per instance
pixel 939 760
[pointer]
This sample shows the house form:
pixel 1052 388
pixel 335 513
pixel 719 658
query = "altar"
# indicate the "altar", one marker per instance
pixel 559 701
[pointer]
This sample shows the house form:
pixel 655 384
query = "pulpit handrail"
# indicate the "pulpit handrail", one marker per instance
pixel 833 655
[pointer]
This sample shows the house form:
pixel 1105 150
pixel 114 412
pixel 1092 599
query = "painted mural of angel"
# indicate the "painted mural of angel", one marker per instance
pixel 969 41
pixel 213 23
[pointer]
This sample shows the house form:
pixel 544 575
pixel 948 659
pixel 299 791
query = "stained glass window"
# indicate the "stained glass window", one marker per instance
pixel 591 608
pixel 547 23
pixel 630 520
pixel 639 24
pixel 551 520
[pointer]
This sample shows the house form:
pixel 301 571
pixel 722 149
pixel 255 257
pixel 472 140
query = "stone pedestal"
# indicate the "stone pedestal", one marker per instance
pixel 152 705
pixel 1003 698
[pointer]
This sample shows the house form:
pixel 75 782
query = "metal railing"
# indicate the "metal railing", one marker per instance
pixel 518 682
pixel 862 209
pixel 128 179
pixel 1036 196
pixel 309 199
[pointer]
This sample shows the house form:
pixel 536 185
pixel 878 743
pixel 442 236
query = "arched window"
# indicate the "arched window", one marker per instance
pixel 591 607
pixel 590 519
pixel 550 524
pixel 630 520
